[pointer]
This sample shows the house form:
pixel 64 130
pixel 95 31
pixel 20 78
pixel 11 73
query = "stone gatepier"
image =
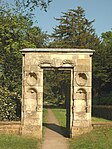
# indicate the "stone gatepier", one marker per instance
pixel 79 62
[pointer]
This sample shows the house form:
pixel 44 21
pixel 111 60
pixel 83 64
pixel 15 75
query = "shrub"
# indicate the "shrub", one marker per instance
pixel 9 105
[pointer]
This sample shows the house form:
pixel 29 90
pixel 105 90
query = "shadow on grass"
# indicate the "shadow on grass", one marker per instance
pixel 56 128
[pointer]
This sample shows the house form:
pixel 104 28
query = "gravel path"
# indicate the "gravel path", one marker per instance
pixel 53 137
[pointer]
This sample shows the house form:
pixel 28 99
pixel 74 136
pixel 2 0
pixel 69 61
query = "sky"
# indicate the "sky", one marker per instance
pixel 100 10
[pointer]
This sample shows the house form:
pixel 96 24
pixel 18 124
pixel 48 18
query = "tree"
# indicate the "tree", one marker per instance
pixel 32 4
pixel 102 70
pixel 74 30
pixel 37 37
pixel 56 86
pixel 16 32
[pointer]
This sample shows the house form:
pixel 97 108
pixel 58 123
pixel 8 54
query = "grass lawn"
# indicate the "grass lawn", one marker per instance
pixel 95 119
pixel 98 138
pixel 17 142
pixel 61 116
pixel 44 114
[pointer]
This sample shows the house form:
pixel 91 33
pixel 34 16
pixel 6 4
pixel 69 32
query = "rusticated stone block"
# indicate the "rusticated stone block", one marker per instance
pixel 10 127
pixel 32 131
pixel 77 131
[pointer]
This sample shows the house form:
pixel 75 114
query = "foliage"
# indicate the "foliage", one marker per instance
pixel 74 30
pixel 56 84
pixel 102 69
pixel 27 6
pixel 104 99
pixel 32 4
pixel 102 111
pixel 37 37
pixel 18 142
pixel 9 105
pixel 16 32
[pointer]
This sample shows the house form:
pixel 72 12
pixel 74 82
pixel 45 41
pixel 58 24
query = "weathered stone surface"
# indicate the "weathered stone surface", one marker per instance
pixel 77 131
pixel 79 61
pixel 10 127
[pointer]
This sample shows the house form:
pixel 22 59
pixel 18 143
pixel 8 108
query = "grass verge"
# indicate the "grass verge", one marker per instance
pixel 98 138
pixel 17 142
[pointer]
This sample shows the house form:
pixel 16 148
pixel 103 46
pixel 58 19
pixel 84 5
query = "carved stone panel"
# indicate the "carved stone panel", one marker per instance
pixel 81 94
pixel 67 63
pixel 32 78
pixel 81 79
pixel 31 101
pixel 81 101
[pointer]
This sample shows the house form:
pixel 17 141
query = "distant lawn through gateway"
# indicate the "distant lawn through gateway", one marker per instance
pixel 61 116
pixel 98 138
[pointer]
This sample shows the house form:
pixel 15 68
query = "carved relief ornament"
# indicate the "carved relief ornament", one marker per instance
pixel 45 63
pixel 56 62
pixel 31 78
pixel 81 78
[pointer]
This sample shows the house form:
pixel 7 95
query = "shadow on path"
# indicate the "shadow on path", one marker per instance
pixel 56 128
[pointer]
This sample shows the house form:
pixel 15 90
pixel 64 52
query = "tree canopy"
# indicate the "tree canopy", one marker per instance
pixel 102 68
pixel 31 4
pixel 74 31
pixel 16 32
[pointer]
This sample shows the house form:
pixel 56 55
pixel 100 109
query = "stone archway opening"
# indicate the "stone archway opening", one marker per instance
pixel 57 93
pixel 79 63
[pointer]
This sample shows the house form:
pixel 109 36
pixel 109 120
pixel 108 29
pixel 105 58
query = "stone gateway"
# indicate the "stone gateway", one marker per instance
pixel 79 62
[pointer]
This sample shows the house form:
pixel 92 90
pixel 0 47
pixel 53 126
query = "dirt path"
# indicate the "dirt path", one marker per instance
pixel 53 137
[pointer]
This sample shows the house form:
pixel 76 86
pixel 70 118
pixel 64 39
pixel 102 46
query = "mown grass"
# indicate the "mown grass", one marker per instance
pixel 61 116
pixel 17 142
pixel 97 119
pixel 45 111
pixel 98 138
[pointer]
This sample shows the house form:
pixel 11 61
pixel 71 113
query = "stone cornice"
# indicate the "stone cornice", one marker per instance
pixel 61 50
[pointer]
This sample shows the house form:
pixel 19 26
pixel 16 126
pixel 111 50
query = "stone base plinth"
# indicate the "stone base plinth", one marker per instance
pixel 77 131
pixel 32 131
